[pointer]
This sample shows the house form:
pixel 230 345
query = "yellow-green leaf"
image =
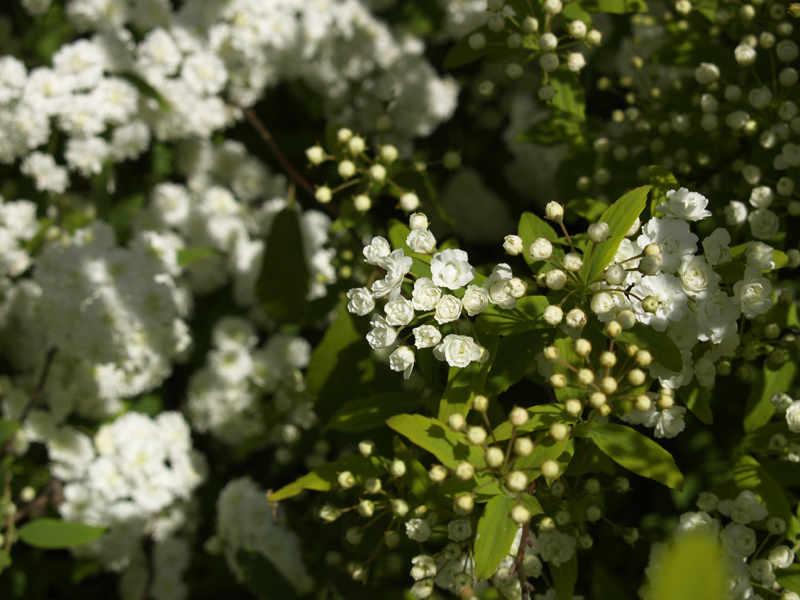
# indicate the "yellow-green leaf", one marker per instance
pixel 496 532
pixel 691 570
pixel 53 534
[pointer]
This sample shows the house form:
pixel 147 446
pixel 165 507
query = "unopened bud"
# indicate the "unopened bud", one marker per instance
pixel 456 421
pixel 550 469
pixel 559 431
pixel 480 403
pixel 523 447
pixel 598 232
pixel 520 515
pixel 518 416
pixel 398 468
pixel 512 244
pixel 573 406
pixel 554 211
pixel 494 457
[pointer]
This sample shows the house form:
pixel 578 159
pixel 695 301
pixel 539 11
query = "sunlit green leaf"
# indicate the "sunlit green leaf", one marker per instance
pixel 495 534
pixel 54 534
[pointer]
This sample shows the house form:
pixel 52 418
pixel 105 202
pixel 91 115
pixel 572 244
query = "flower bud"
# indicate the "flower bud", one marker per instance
pixel 621 485
pixel 541 249
pixel 366 447
pixel 476 435
pixel 573 406
pixel 551 353
pixel 357 145
pixel 451 160
pixel 512 244
pixel 480 403
pixel 597 399
pixel 372 485
pixel 366 508
pixel 553 315
pixel 418 221
pixel 615 274
pixel 316 155
pixel 573 262
pixel 650 304
pixel 392 539
pixel 530 24
pixel 362 203
pixel 583 347
pixel 354 535
pixel 557 489
pixel 643 358
pixel 651 264
pixel 547 524
pixel 608 385
pixel 346 480
pixel 515 288
pixel 437 474
pixel 378 174
pixel 477 41
pixel 464 504
pixel 550 469
pixel 613 329
pixel 329 513
pixel 523 447
pixel 344 135
pixel 518 416
pixel 408 201
pixel 323 194
pixel 559 431
pixel 593 513
pixel 585 376
pixel 576 318
pixel 347 169
pixel 465 471
pixel 636 377
pixel 494 457
pixel 389 153
pixel 626 319
pixel 517 481
pixel 601 303
pixel 554 211
pixel 558 380
pixel 585 541
pixel 520 515
pixel 598 232
pixel 607 359
pixel 456 421
pixel 563 517
pixel 398 468
pixel 630 535
pixel 665 401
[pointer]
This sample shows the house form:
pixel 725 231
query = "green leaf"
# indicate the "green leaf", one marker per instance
pixel 542 133
pixel 568 355
pixel 707 8
pixel 450 447
pixel 372 412
pixel 526 316
pixel 123 212
pixel 748 474
pixel 462 53
pixel 540 417
pixel 7 429
pixel 662 181
pixel 496 532
pixel 564 577
pixel 616 7
pixel 697 399
pixel 516 355
pixel 790 578
pixel 54 534
pixel 530 229
pixel 692 569
pixel 282 286
pixel 463 384
pixel 568 107
pixel 454 486
pixel 187 256
pixel 548 449
pixel 417 480
pixel 658 343
pixel 589 209
pixel 759 410
pixel 5 559
pixel 531 503
pixel 324 477
pixel 261 576
pixel 632 450
pixel 620 216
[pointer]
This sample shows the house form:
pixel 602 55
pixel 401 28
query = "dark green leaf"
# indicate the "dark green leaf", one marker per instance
pixel 325 477
pixel 637 453
pixel 541 417
pixel 564 577
pixel 568 107
pixel 616 7
pixel 417 480
pixel 453 486
pixel 372 412
pixel 450 447
pixel 568 355
pixel 516 356
pixel 526 316
pixel 790 578
pixel 282 286
pixel 620 216
pixel 531 503
pixel 54 533
pixel 462 53
pixel 662 181
pixel 5 559
pixel 187 256
pixel 7 429
pixel 707 8
pixel 261 576
pixel 496 532
pixel 589 209
pixel 770 380
pixel 659 344
pixel 697 399
pixel 750 475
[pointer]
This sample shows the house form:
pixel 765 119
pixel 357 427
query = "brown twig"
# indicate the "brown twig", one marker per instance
pixel 262 130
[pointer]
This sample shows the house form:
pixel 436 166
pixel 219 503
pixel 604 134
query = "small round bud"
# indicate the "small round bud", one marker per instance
pixel 409 202
pixel 643 403
pixel 451 160
pixel 389 153
pixel 621 485
pixel 520 515
pixel 626 319
pixel 464 504
pixel 356 145
pixel 553 315
pixel 344 135
pixel 398 468
pixel 518 416
pixel 362 203
pixel 550 469
pixel 594 37
pixel 494 457
pixel 418 221
pixel 558 380
pixel 585 541
pixel 597 399
pixel 554 211
pixel 602 303
pixel 598 232
pixel 636 377
pixel 650 304
pixel 512 244
pixel 630 535
pixel 476 435
pixel 547 524
pixel 316 155
pixel 437 474
pixel 480 403
pixel 323 194
pixel 354 535
pixel 643 358
pixel 613 329
pixel 523 447
pixel 541 249
pixel 607 359
pixel 530 24
pixel 559 431
pixel 486 88
pixel 346 480
pixel 366 447
pixel 592 486
pixel 615 274
pixel 772 331
pixel 551 353
pixel 665 402
pixel 366 508
pixel 513 70
pixel 329 513
pixel 577 29
pixel 347 169
pixel 477 41
pixel 608 385
pixel 563 517
pixel 651 264
pixel 465 471
pixel 776 526
pixel 576 318
pixel 573 262
pixel 585 376
pixel 516 481
pixel 378 174
pixel 372 485
pixel 573 406
pixel 457 422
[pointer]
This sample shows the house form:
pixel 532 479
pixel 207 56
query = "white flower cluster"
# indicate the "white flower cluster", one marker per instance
pixel 246 521
pixel 136 478
pixel 18 225
pixel 227 396
pixel 745 562
pixel 661 281
pixel 115 315
pixel 441 298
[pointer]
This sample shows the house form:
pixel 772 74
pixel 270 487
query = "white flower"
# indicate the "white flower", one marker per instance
pixel 457 350
pixel 706 73
pixel 382 334
pixel 421 241
pixel 673 236
pixel 396 265
pixel 475 300
pixel 683 204
pixel 399 312
pixel 496 286
pixel 602 303
pixel 361 301
pixel 418 530
pixel 700 523
pixel 793 416
pixel 747 508
pixel 402 359
pixel 735 213
pixel 512 244
pixel 447 309
pixel 781 557
pixel 451 269
pixel 425 294
pixel 697 276
pixel 378 248
pixel 670 422
pixel 424 566
pixel 717 247
pixel 422 589
pixel 761 197
pixel 556 547
pixel 759 254
pixel 781 402
pixel 671 301
pixel 745 55
pixel 753 293
pixel 764 223
pixel 705 371
pixel 541 249
pixel 738 540
pixel 426 336
pixel 459 530
pixel 716 316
